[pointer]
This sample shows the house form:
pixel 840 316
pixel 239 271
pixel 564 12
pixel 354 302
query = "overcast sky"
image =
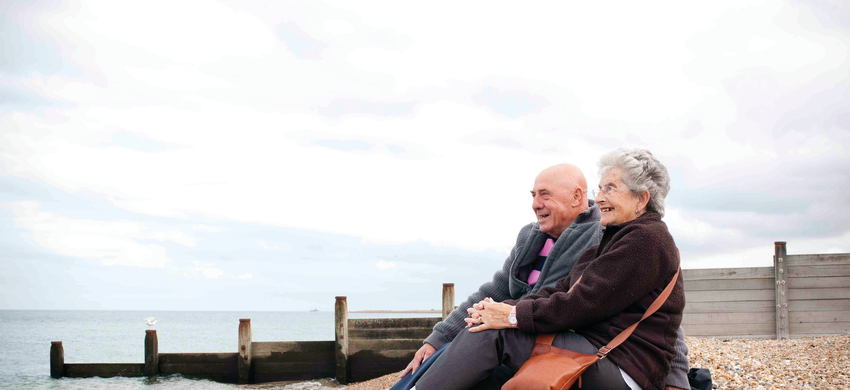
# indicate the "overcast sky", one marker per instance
pixel 248 155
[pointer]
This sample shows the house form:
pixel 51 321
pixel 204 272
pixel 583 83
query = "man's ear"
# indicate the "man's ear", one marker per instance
pixel 577 197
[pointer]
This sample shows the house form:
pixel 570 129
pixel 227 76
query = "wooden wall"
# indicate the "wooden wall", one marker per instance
pixel 379 346
pixel 292 360
pixel 818 294
pixel 729 302
pixel 801 295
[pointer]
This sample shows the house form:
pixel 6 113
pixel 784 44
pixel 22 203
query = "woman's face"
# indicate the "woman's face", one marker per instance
pixel 615 200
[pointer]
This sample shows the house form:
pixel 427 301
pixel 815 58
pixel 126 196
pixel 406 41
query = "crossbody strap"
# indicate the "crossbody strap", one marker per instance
pixel 652 309
pixel 546 339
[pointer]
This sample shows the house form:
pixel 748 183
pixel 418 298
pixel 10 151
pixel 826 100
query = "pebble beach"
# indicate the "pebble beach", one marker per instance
pixel 803 363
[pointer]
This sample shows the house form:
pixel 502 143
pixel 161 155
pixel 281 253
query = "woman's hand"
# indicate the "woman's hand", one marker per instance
pixel 491 315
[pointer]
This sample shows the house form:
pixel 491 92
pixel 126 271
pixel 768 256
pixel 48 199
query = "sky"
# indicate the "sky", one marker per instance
pixel 271 155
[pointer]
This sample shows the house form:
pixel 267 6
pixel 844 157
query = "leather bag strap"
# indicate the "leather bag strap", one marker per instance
pixel 650 311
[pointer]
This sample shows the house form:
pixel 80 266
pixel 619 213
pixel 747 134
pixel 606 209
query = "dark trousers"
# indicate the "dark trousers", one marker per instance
pixel 472 357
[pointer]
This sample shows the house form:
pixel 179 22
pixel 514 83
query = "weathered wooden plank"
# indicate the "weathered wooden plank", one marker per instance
pixel 314 369
pixel 819 282
pixel 273 372
pixel 727 273
pixel 367 365
pixel 780 298
pixel 341 352
pixel 819 259
pixel 373 323
pixel 390 333
pixel 729 284
pixel 819 316
pixel 721 330
pixel 245 351
pixel 199 369
pixel 151 353
pixel 103 370
pixel 819 305
pixel 57 359
pixel 802 271
pixel 267 348
pixel 729 296
pixel 448 299
pixel 357 345
pixel 220 367
pixel 822 328
pixel 729 307
pixel 197 358
pixel 819 293
pixel 295 357
pixel 729 318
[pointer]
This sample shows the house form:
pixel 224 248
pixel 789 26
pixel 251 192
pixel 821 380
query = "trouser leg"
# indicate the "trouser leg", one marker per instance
pixel 497 379
pixel 472 357
pixel 602 375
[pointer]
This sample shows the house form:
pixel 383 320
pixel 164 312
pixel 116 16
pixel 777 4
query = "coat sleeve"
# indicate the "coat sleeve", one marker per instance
pixel 630 268
pixel 498 289
pixel 678 376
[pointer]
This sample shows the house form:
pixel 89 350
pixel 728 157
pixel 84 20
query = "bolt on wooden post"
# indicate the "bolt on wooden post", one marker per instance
pixel 151 353
pixel 341 339
pixel 448 299
pixel 780 267
pixel 244 361
pixel 57 359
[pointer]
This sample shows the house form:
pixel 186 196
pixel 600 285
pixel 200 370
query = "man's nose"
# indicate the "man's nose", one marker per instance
pixel 536 204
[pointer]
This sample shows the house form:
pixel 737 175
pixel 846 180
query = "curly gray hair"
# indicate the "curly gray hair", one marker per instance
pixel 641 171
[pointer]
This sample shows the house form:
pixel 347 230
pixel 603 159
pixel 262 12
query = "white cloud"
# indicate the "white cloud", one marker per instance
pixel 207 228
pixel 207 270
pixel 245 276
pixel 450 171
pixel 178 78
pixel 385 264
pixel 109 242
pixel 337 26
pixel 190 32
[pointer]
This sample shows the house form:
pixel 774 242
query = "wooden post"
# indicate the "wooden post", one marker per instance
pixel 341 339
pixel 244 361
pixel 57 359
pixel 780 267
pixel 448 299
pixel 151 353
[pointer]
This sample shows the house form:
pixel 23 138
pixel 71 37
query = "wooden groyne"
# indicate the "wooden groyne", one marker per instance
pixel 362 349
pixel 801 295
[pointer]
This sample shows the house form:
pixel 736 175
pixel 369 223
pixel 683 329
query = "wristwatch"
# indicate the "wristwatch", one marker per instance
pixel 512 317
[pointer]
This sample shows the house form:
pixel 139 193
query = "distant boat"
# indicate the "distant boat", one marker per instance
pixel 314 310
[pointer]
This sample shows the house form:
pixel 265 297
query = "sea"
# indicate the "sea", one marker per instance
pixel 118 337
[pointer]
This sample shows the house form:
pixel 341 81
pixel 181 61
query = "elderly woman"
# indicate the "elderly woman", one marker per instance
pixel 620 278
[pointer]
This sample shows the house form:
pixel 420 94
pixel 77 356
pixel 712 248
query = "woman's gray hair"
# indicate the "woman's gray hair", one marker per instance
pixel 641 172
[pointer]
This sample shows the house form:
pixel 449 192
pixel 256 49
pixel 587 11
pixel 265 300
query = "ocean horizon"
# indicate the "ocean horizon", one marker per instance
pixel 117 336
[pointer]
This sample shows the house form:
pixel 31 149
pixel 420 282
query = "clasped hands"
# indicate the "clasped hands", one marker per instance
pixel 489 314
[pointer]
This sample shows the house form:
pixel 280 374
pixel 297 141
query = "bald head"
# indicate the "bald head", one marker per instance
pixel 559 196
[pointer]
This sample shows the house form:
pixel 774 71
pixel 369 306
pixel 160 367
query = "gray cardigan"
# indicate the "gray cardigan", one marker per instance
pixel 583 233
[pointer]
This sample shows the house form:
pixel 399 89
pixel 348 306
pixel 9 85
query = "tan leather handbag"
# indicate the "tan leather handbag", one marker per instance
pixel 553 368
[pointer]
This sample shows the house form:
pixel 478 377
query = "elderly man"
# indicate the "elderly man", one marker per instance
pixel 545 251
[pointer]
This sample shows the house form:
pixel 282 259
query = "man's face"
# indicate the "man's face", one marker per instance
pixel 551 203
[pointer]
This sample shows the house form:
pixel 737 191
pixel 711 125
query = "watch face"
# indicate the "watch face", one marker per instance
pixel 512 319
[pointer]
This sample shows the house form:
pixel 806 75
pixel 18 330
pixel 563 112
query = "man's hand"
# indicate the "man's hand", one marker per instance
pixel 418 358
pixel 491 315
